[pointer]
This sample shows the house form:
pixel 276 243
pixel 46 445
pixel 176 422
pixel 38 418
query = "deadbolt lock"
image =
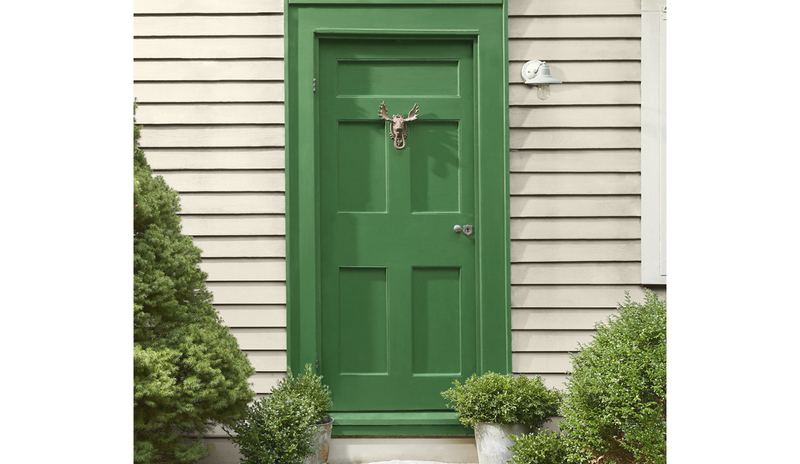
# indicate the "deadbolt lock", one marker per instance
pixel 467 230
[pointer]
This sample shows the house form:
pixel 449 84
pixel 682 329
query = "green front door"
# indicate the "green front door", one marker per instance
pixel 398 288
pixel 383 296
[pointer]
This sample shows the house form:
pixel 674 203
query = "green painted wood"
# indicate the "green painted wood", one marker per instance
pixel 395 2
pixel 379 288
pixel 398 285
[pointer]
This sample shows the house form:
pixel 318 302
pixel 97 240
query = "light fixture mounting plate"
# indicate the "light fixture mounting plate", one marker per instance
pixel 529 69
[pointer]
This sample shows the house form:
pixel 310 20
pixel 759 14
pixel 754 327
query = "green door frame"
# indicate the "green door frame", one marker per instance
pixel 485 23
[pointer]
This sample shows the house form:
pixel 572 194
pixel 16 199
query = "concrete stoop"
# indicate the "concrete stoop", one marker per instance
pixel 409 462
pixel 397 450
pixel 379 450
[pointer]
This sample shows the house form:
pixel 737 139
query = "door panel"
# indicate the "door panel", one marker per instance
pixel 398 288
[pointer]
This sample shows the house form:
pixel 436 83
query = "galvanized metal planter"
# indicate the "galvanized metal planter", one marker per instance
pixel 494 440
pixel 322 443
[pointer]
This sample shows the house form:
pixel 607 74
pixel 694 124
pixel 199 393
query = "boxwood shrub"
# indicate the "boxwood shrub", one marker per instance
pixel 503 399
pixel 616 405
pixel 546 447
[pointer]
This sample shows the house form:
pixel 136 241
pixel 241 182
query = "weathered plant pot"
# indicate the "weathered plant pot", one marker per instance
pixel 322 443
pixel 494 440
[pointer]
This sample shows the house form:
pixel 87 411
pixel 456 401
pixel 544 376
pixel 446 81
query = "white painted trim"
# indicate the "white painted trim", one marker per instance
pixel 654 145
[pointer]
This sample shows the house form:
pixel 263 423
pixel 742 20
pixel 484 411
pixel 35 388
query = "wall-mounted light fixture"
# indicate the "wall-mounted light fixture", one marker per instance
pixel 537 72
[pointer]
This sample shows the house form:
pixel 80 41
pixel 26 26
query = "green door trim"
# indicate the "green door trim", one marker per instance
pixel 305 26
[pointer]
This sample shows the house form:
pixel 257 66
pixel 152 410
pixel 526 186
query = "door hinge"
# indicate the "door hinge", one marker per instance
pixel 315 89
pixel 317 363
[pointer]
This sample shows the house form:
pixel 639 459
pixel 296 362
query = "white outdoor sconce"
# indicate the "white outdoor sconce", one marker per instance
pixel 537 72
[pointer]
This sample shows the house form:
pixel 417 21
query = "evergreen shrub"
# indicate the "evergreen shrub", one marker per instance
pixel 310 386
pixel 188 370
pixel 616 404
pixel 546 447
pixel 278 429
pixel 502 399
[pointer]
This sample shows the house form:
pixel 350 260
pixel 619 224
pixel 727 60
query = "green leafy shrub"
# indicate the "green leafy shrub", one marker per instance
pixel 278 429
pixel 547 447
pixel 503 399
pixel 616 405
pixel 188 371
pixel 310 386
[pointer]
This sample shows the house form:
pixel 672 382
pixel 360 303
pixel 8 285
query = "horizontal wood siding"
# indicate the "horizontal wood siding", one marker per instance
pixel 575 176
pixel 208 78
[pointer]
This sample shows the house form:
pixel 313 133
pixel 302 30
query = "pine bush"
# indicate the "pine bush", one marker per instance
pixel 616 405
pixel 188 370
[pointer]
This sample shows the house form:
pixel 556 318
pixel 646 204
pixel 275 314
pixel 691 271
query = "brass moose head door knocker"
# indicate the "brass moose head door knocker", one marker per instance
pixel 398 130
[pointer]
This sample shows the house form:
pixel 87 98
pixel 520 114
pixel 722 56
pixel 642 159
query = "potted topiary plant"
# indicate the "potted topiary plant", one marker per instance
pixel 310 386
pixel 275 429
pixel 499 406
pixel 288 426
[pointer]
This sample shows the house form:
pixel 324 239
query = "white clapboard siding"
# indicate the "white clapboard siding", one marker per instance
pixel 267 361
pixel 248 293
pixel 606 183
pixel 626 160
pixel 208 77
pixel 551 381
pixel 263 382
pixel 171 26
pixel 622 93
pixel 574 116
pixel 207 6
pixel 559 319
pixel 254 113
pixel 546 251
pixel 605 273
pixel 540 363
pixel 212 136
pixel 573 49
pixel 573 7
pixel 213 92
pixel 575 228
pixel 584 71
pixel 233 203
pixel 572 27
pixel 575 206
pixel 241 247
pixel 574 138
pixel 549 340
pixel 572 296
pixel 253 315
pixel 208 48
pixel 260 338
pixel 234 225
pixel 268 69
pixel 232 269
pixel 225 181
pixel 214 159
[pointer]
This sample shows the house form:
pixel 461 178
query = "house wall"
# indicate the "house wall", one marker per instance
pixel 208 77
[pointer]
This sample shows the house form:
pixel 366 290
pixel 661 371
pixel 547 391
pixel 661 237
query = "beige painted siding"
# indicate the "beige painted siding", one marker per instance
pixel 208 76
pixel 575 176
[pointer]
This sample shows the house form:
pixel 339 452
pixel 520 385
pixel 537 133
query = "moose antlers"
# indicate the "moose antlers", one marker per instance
pixel 398 131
